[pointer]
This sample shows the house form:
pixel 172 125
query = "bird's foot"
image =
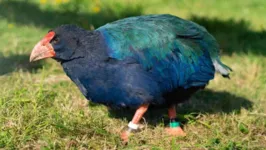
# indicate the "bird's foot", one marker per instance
pixel 176 131
pixel 126 132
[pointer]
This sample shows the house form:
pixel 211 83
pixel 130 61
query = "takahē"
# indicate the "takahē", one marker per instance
pixel 136 62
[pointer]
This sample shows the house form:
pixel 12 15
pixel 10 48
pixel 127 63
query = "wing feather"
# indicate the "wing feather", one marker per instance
pixel 178 51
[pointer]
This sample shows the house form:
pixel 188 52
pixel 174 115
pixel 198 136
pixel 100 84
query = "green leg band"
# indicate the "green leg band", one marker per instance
pixel 174 123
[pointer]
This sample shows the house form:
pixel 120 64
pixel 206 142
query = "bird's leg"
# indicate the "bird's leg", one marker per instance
pixel 174 126
pixel 133 124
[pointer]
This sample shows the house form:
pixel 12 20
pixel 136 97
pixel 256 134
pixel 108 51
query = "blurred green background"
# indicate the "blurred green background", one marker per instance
pixel 41 109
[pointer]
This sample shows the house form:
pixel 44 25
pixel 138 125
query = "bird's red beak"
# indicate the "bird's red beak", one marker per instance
pixel 43 49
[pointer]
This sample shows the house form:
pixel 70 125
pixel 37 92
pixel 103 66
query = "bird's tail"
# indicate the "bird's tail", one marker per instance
pixel 222 68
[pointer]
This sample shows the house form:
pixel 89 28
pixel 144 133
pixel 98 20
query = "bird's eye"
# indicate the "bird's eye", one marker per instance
pixel 55 40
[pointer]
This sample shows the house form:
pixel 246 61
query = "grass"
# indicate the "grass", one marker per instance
pixel 41 109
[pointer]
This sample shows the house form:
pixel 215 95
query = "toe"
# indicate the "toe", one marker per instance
pixel 178 131
pixel 125 136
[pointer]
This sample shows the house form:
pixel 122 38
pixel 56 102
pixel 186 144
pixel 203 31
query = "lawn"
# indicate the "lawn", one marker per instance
pixel 40 108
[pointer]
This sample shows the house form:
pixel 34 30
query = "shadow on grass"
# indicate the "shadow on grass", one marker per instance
pixel 234 36
pixel 203 102
pixel 28 13
pixel 16 62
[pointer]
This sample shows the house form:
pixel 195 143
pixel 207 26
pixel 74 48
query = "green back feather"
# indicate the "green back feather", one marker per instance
pixel 158 36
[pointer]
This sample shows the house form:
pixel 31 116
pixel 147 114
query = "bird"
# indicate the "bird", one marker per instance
pixel 136 62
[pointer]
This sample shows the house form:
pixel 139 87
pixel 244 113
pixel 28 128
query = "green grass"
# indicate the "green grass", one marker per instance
pixel 40 108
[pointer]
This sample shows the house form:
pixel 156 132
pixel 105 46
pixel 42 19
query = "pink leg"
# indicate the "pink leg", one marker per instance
pixel 137 117
pixel 174 129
